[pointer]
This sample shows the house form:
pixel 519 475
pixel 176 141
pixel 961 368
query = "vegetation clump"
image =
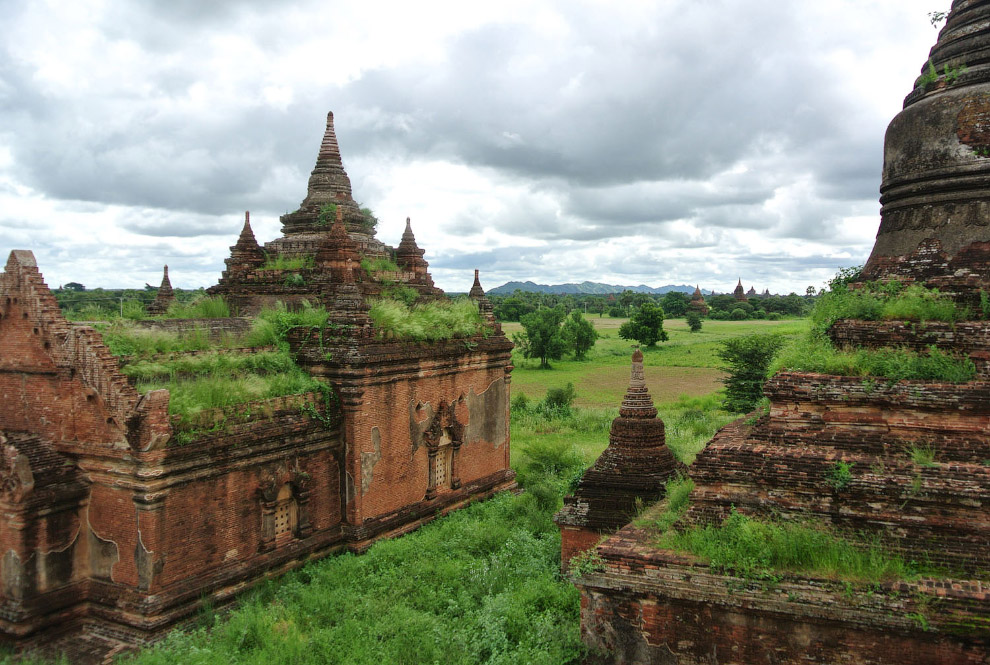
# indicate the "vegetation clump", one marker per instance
pixel 428 321
pixel 645 326
pixel 893 364
pixel 378 264
pixel 747 362
pixel 763 548
pixel 279 262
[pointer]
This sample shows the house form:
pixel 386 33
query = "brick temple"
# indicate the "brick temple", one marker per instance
pixel 650 605
pixel 115 528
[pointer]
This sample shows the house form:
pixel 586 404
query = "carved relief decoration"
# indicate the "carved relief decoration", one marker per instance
pixel 16 479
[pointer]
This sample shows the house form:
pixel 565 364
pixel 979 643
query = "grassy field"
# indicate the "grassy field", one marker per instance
pixel 684 365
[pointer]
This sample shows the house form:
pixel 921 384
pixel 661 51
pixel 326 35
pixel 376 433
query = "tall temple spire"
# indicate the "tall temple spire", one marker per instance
pixel 935 195
pixel 328 185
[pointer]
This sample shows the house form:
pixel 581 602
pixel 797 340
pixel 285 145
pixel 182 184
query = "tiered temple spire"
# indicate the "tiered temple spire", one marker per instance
pixel 328 184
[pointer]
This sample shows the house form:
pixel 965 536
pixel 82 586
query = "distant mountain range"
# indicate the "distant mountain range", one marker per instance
pixel 588 288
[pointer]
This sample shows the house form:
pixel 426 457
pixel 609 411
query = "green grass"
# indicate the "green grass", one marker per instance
pixel 764 548
pixel 218 363
pixel 191 396
pixel 273 324
pixel 126 340
pixel 893 364
pixel 884 302
pixel 304 262
pixel 428 321
pixel 208 307
pixel 380 264
pixel 684 365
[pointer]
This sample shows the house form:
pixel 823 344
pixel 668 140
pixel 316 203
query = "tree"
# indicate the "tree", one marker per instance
pixel 74 286
pixel 747 362
pixel 645 326
pixel 675 303
pixel 579 334
pixel 694 321
pixel 541 337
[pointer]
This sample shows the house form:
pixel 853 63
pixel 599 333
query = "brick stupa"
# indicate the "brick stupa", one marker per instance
pixel 629 473
pixel 164 298
pixel 739 293
pixel 848 452
pixel 698 303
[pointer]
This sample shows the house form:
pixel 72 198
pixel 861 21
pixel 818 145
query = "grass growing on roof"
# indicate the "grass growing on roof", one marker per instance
pixel 893 364
pixel 890 301
pixel 279 262
pixel 273 324
pixel 192 396
pixel 428 321
pixel 379 264
pixel 762 549
pixel 126 340
pixel 217 364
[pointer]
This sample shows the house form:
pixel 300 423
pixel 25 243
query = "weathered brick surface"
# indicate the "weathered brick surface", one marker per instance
pixel 654 606
pixel 119 520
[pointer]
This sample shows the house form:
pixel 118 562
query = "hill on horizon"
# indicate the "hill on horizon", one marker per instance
pixel 588 288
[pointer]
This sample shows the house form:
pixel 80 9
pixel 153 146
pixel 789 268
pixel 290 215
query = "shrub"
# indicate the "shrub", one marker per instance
pixel 747 362
pixel 401 293
pixel 578 334
pixel 738 314
pixel 645 326
pixel 558 400
pixel 327 215
pixel 694 321
pixel 273 324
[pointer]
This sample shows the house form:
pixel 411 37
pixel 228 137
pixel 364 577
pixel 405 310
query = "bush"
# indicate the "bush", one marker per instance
pixel 738 314
pixel 747 361
pixel 578 334
pixel 558 400
pixel 694 321
pixel 616 312
pixel 645 326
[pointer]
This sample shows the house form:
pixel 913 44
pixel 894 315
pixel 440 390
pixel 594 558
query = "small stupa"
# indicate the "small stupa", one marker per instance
pixel 165 297
pixel 629 473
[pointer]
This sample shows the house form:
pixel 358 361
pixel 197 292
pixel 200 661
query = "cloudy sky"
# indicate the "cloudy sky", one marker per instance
pixel 673 141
